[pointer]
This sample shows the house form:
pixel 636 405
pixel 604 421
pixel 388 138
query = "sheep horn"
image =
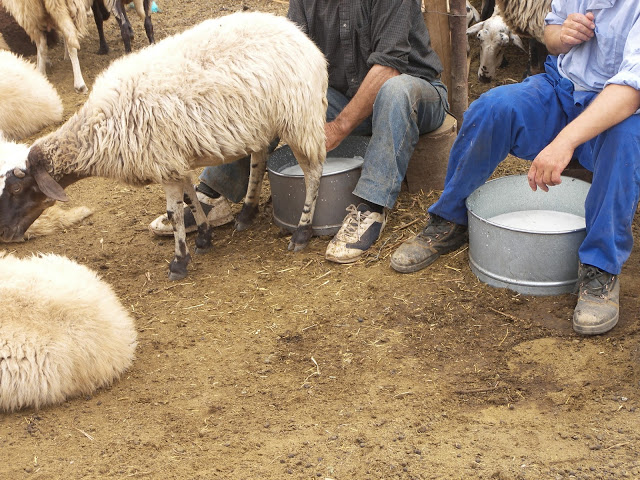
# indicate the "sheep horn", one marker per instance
pixel 18 173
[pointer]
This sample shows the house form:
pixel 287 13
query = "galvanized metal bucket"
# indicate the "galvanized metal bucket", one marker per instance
pixel 334 195
pixel 524 260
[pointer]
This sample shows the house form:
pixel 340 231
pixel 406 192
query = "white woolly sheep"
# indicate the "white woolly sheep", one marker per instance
pixel 511 20
pixel 69 17
pixel 64 332
pixel 210 95
pixel 102 10
pixel 28 101
pixel 494 35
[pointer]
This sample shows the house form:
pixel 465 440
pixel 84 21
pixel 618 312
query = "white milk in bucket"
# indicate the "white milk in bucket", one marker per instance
pixel 547 221
pixel 331 165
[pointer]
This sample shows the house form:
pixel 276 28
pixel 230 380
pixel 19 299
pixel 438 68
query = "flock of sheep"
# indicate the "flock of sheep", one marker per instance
pixel 141 124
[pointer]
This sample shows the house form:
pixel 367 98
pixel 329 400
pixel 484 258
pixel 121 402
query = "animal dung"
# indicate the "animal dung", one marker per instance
pixel 63 332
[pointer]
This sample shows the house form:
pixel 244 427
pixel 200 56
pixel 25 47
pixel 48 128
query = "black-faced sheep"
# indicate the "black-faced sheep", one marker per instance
pixel 69 17
pixel 64 332
pixel 210 95
pixel 102 10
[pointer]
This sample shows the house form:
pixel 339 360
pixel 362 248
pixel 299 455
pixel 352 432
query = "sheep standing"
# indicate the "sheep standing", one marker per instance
pixel 210 95
pixel 102 10
pixel 64 332
pixel 69 17
pixel 511 19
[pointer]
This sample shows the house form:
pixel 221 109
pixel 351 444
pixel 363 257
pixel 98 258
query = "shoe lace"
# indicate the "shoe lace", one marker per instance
pixel 594 281
pixel 350 231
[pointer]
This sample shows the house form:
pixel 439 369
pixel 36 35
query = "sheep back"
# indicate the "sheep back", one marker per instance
pixel 28 101
pixel 525 17
pixel 212 94
pixel 63 332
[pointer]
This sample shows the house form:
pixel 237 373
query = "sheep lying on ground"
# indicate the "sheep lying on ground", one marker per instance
pixel 101 12
pixel 28 102
pixel 64 332
pixel 210 95
pixel 69 17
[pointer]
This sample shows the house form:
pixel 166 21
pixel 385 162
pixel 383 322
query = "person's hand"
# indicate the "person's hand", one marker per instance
pixel 548 165
pixel 334 135
pixel 577 29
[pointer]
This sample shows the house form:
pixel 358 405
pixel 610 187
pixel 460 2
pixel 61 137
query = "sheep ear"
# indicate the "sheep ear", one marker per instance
pixel 48 185
pixel 475 28
pixel 517 41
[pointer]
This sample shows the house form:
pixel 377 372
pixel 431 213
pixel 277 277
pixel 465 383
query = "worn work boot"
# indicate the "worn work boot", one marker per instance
pixel 360 229
pixel 598 305
pixel 217 210
pixel 440 236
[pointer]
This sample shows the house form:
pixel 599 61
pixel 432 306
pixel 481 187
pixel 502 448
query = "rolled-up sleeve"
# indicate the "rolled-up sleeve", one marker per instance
pixel 390 35
pixel 559 12
pixel 629 71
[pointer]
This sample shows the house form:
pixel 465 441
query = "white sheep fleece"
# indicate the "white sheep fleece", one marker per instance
pixel 214 93
pixel 525 17
pixel 28 101
pixel 63 332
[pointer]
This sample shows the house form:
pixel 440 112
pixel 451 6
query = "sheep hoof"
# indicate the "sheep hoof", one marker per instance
pixel 202 250
pixel 300 238
pixel 173 276
pixel 296 247
pixel 245 217
pixel 178 268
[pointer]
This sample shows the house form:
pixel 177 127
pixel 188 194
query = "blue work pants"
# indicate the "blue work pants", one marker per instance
pixel 522 119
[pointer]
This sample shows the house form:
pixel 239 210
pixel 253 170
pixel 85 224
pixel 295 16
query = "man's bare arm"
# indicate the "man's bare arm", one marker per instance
pixel 576 29
pixel 360 106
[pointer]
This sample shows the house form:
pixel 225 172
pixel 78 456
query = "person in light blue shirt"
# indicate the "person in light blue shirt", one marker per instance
pixel 585 106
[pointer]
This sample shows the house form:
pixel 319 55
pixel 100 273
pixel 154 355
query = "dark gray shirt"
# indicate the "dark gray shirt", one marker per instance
pixel 354 35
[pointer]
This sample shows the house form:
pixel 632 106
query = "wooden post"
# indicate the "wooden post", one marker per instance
pixel 436 17
pixel 459 88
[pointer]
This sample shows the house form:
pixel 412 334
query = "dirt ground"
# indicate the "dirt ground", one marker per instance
pixel 268 364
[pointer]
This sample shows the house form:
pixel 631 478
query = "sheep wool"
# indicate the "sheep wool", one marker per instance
pixel 525 17
pixel 63 332
pixel 28 101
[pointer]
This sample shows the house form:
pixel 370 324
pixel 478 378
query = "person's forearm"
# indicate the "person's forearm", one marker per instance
pixel 552 40
pixel 576 29
pixel 361 105
pixel 613 105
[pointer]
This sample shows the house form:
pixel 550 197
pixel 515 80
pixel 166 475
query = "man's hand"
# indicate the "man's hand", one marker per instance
pixel 576 29
pixel 548 165
pixel 334 135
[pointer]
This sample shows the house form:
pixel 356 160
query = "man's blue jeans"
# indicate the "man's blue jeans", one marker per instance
pixel 522 119
pixel 405 108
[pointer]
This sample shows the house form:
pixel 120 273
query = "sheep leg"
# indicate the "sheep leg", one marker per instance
pixel 42 52
pixel 312 170
pixel 252 199
pixel 126 31
pixel 205 232
pixel 148 26
pixel 99 19
pixel 78 81
pixel 174 193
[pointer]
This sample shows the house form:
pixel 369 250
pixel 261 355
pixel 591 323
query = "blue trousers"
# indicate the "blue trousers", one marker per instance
pixel 522 119
pixel 405 108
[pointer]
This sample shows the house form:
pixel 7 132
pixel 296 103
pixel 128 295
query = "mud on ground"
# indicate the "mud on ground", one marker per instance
pixel 267 364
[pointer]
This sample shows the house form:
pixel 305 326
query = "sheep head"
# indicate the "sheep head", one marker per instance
pixel 494 35
pixel 26 190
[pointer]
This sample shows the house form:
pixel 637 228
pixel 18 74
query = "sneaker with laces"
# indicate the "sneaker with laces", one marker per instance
pixel 440 236
pixel 598 305
pixel 217 210
pixel 360 229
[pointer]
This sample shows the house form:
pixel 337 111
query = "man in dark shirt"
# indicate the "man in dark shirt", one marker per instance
pixel 383 82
